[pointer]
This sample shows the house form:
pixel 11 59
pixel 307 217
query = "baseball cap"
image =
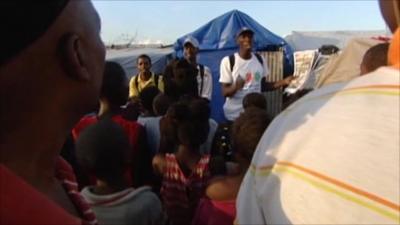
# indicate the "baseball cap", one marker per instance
pixel 192 41
pixel 244 29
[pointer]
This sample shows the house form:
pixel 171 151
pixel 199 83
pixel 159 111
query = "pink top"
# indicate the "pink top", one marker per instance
pixel 210 212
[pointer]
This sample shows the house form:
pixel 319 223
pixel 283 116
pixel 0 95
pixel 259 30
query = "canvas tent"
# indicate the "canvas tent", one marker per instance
pixel 217 39
pixel 127 58
pixel 300 40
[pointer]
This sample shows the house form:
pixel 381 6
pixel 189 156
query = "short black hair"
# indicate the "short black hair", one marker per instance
pixel 161 103
pixel 255 99
pixel 114 87
pixel 186 123
pixel 143 56
pixel 247 131
pixel 102 149
pixel 193 131
pixel 147 96
pixel 376 56
pixel 25 22
pixel 180 78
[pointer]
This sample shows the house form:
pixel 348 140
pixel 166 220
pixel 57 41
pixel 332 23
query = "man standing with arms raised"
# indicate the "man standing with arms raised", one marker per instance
pixel 242 74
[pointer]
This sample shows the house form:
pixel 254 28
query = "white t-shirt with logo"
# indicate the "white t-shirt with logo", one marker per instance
pixel 251 71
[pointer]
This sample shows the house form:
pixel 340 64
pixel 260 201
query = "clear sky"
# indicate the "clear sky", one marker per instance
pixel 165 21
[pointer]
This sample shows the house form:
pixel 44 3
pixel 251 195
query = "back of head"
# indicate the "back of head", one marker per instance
pixel 375 57
pixel 161 103
pixel 247 130
pixel 102 149
pixel 147 96
pixel 193 131
pixel 256 100
pixel 115 84
pixel 180 79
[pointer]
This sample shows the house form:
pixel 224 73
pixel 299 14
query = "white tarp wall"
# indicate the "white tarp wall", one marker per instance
pixel 301 41
pixel 346 65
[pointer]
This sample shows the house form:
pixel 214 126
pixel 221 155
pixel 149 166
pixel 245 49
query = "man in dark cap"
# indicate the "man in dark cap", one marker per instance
pixel 242 73
pixel 51 66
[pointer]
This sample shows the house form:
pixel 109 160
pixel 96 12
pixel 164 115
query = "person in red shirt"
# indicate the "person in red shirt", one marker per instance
pixel 52 53
pixel 113 95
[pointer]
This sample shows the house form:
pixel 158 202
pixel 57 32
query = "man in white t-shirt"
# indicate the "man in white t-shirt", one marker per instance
pixel 245 76
pixel 204 78
pixel 333 156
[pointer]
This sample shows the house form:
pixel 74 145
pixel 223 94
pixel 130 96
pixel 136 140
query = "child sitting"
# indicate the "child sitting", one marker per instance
pixel 184 172
pixel 103 149
pixel 218 207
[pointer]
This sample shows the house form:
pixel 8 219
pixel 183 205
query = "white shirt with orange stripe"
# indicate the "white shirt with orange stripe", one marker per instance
pixel 330 158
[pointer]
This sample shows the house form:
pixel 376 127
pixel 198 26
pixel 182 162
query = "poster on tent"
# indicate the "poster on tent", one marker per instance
pixel 303 64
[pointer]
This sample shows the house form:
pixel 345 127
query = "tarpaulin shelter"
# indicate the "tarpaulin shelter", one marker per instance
pixel 217 39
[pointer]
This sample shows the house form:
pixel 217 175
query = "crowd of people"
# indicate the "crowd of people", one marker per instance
pixel 82 144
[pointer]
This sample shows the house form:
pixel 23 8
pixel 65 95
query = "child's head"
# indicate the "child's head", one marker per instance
pixel 375 57
pixel 103 150
pixel 115 85
pixel 193 131
pixel 143 63
pixel 186 123
pixel 247 130
pixel 147 96
pixel 185 78
pixel 256 100
pixel 161 103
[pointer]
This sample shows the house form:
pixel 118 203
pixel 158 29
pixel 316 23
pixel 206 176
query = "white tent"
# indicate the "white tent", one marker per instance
pixel 301 41
pixel 127 58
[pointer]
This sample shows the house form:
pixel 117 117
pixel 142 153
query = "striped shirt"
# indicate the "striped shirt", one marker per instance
pixel 65 174
pixel 330 158
pixel 181 194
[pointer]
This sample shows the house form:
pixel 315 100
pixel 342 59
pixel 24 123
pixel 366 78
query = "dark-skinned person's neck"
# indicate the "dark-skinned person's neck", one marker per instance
pixel 192 61
pixel 145 75
pixel 245 54
pixel 104 188
pixel 32 147
pixel 106 108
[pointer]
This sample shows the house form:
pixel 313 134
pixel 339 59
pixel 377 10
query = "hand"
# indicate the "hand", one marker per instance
pixel 239 84
pixel 288 80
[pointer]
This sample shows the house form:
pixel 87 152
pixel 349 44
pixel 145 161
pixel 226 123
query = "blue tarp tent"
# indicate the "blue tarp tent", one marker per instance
pixel 217 39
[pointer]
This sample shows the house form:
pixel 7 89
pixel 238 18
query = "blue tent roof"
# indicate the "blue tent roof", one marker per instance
pixel 218 39
pixel 219 34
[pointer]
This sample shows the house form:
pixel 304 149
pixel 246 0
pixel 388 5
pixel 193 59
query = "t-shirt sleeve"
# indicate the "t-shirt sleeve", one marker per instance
pixel 225 71
pixel 247 203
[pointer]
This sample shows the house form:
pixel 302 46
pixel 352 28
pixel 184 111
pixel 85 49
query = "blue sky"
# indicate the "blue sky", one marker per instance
pixel 165 21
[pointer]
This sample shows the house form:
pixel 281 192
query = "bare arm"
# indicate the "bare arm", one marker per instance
pixel 228 90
